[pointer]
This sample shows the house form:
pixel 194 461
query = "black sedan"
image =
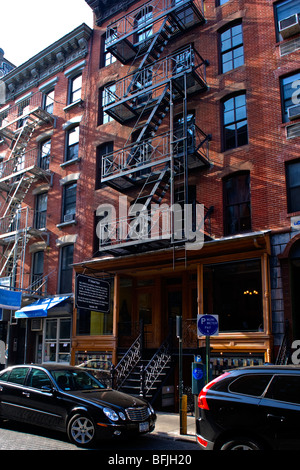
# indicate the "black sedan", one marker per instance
pixel 71 400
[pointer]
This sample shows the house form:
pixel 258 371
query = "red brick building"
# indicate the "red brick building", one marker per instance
pixel 42 144
pixel 190 109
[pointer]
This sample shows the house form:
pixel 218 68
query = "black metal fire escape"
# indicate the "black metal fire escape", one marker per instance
pixel 19 170
pixel 153 163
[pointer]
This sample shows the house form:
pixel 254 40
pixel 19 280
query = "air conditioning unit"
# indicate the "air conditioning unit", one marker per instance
pixel 289 26
pixel 294 112
pixel 36 324
pixel 69 217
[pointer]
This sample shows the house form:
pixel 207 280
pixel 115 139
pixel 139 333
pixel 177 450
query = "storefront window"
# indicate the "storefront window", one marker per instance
pixel 234 292
pixel 57 343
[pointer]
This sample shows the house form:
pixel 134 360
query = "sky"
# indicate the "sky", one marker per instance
pixel 29 26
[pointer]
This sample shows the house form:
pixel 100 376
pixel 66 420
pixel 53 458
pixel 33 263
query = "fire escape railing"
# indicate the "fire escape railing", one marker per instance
pixel 128 25
pixel 152 78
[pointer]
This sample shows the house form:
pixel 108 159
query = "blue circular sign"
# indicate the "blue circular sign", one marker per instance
pixel 208 325
pixel 197 373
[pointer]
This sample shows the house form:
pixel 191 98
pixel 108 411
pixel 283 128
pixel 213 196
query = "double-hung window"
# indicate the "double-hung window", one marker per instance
pixel 75 86
pixel 284 10
pixel 235 127
pixel 69 202
pixel 289 93
pixel 66 269
pixel 72 143
pixel 237 203
pixel 41 210
pixel 293 185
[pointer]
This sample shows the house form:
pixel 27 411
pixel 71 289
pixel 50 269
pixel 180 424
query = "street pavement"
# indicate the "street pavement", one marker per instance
pixel 18 436
pixel 168 426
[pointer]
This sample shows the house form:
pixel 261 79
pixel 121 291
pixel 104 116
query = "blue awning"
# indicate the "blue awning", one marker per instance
pixel 39 308
pixel 10 299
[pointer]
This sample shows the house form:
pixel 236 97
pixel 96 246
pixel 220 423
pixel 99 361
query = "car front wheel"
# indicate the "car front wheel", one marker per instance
pixel 241 443
pixel 81 430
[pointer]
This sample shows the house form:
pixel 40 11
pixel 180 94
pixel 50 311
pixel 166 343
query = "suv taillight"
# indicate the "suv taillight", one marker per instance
pixel 202 402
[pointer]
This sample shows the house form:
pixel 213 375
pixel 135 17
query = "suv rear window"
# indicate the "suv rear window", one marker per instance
pixel 253 385
pixel 285 388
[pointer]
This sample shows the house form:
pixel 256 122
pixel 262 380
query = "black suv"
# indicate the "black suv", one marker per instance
pixel 251 408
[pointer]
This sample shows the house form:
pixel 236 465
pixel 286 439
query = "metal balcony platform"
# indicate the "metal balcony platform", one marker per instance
pixel 122 34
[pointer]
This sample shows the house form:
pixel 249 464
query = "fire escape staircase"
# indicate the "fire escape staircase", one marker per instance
pixel 147 95
pixel 18 172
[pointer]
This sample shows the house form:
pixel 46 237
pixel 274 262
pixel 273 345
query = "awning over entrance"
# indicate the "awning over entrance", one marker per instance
pixel 39 308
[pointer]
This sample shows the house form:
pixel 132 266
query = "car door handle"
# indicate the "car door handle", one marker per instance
pixel 27 394
pixel 276 417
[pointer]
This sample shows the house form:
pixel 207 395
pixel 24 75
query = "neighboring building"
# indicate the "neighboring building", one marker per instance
pixel 42 144
pixel 5 65
pixel 194 107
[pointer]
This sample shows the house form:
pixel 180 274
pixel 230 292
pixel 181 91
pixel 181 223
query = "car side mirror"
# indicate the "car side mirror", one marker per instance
pixel 47 389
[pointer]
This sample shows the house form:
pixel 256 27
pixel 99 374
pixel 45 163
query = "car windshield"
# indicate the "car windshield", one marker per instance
pixel 72 380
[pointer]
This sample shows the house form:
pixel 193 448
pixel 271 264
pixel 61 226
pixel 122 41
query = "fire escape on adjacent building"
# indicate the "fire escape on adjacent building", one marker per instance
pixel 21 167
pixel 154 163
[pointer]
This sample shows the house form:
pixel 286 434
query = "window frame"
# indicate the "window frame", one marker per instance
pixel 237 204
pixel 235 122
pixel 72 150
pixel 277 18
pixel 65 205
pixel 290 208
pixel 65 269
pixel 229 28
pixel 72 93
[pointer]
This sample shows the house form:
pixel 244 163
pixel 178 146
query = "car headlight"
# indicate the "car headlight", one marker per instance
pixel 111 414
pixel 150 408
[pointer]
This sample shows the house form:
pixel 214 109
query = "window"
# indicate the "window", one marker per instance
pixel 39 379
pixel 221 2
pixel 237 204
pixel 18 375
pixel 37 271
pixel 289 86
pixel 233 290
pixel 141 22
pixel 179 133
pixel 107 57
pixel 72 143
pixel 285 388
pixel 231 48
pixel 293 186
pixel 23 109
pixel 66 269
pixel 253 385
pixel 75 85
pixel 106 96
pixel 103 149
pixel 235 128
pixel 44 155
pixel 283 10
pixel 69 202
pixel 57 343
pixel 49 101
pixel 41 210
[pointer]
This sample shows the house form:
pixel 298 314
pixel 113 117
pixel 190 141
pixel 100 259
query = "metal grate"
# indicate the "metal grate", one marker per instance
pixel 137 414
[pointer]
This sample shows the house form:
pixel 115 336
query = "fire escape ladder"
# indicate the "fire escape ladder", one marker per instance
pixel 14 252
pixel 148 128
pixel 16 196
pixel 153 190
pixel 21 138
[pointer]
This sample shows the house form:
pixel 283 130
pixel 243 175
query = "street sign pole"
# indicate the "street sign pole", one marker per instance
pixel 207 341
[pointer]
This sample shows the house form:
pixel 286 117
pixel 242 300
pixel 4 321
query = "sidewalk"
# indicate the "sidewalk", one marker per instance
pixel 168 426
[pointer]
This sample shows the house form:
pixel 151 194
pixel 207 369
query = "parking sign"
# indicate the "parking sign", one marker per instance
pixel 207 325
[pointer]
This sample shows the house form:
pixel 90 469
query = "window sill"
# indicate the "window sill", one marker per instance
pixel 72 105
pixel 65 224
pixel 70 162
